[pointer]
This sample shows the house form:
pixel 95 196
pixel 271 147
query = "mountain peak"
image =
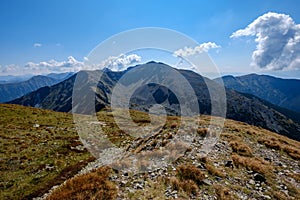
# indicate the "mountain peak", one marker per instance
pixel 152 62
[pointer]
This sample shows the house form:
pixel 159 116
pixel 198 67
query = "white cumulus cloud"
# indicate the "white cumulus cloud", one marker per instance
pixel 70 65
pixel 115 63
pixel 278 41
pixel 187 51
pixel 37 44
pixel 121 62
pixel 9 69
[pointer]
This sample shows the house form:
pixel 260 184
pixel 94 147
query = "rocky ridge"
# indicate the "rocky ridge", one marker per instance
pixel 242 165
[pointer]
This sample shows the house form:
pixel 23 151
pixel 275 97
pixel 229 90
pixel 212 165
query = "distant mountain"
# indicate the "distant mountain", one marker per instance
pixel 281 92
pixel 239 107
pixel 59 97
pixel 11 91
pixel 60 76
pixel 14 79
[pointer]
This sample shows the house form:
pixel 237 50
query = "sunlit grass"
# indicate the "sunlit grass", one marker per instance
pixel 36 151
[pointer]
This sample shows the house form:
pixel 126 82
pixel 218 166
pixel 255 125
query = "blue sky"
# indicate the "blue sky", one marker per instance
pixel 38 31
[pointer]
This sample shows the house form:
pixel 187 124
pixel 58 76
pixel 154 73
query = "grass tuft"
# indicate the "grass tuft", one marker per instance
pixel 214 171
pixel 190 172
pixel 241 148
pixel 223 193
pixel 254 164
pixel 94 185
pixel 279 144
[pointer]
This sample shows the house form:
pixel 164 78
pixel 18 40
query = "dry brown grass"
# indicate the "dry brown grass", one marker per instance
pixel 94 185
pixel 175 183
pixel 203 159
pixel 251 132
pixel 270 143
pixel 231 137
pixel 281 144
pixel 279 196
pixel 240 148
pixel 295 176
pixel 188 186
pixel 174 125
pixel 254 164
pixel 190 172
pixel 223 193
pixel 292 188
pixel 293 152
pixel 210 167
pixel 188 178
pixel 214 171
pixel 202 132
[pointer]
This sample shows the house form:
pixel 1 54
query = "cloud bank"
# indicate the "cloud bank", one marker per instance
pixel 70 65
pixel 188 51
pixel 121 62
pixel 278 41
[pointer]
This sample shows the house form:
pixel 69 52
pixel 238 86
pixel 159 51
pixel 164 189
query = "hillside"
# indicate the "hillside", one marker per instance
pixel 40 149
pixel 239 107
pixel 281 92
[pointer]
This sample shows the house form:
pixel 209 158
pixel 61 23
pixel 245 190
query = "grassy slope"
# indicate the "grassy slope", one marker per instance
pixel 33 159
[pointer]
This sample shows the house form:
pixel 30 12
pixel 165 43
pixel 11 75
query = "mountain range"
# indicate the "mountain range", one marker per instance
pixel 281 92
pixel 13 90
pixel 14 79
pixel 241 107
